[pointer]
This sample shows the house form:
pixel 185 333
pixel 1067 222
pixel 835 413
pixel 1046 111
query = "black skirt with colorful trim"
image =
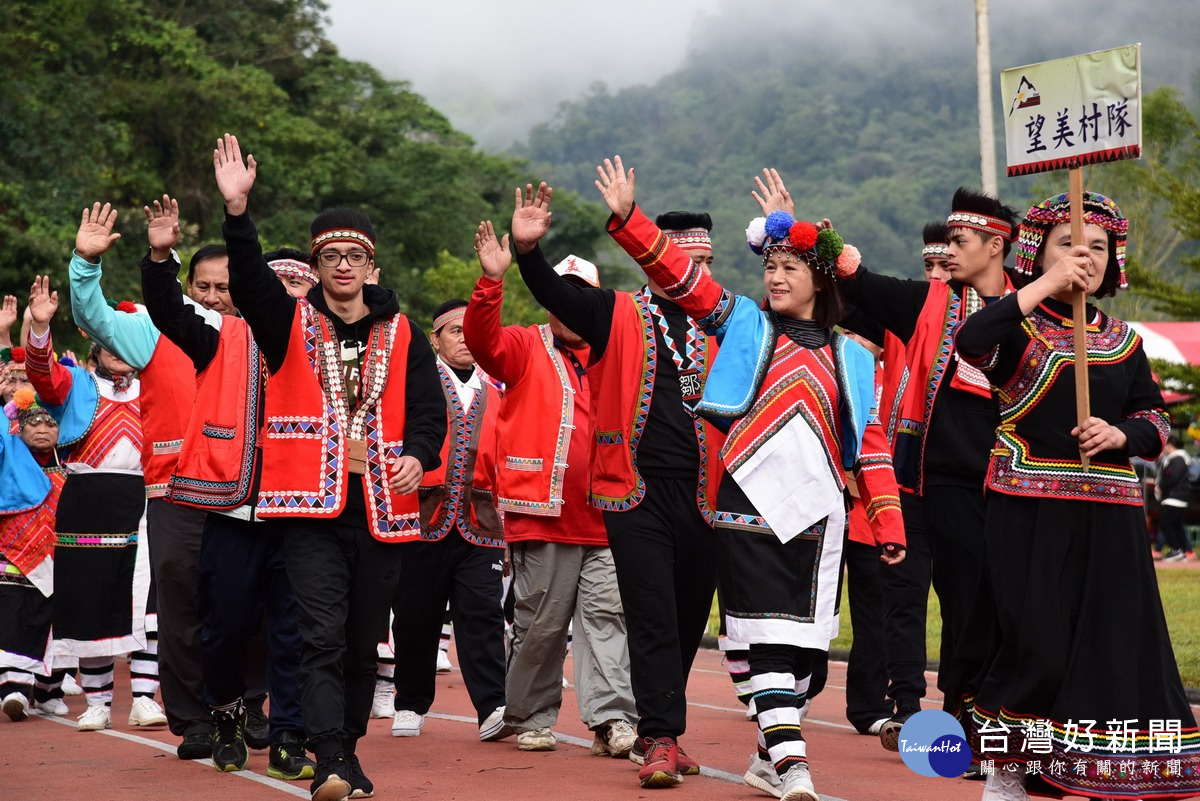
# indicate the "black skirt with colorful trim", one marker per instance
pixel 1067 665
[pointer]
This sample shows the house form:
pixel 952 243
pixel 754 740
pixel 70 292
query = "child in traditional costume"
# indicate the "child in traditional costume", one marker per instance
pixel 1067 667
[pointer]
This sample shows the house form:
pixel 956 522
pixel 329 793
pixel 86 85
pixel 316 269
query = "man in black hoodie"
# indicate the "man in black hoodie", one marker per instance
pixel 354 418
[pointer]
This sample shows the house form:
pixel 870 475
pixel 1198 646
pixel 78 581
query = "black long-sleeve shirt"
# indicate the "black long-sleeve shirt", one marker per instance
pixel 668 445
pixel 269 311
pixel 962 425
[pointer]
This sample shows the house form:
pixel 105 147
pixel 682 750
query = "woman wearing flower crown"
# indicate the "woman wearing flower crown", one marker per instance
pixel 796 399
pixel 1068 671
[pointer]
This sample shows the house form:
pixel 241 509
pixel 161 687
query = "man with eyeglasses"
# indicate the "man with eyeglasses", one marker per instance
pixel 354 418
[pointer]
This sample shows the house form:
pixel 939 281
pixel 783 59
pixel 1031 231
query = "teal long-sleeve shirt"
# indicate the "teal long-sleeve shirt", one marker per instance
pixel 130 337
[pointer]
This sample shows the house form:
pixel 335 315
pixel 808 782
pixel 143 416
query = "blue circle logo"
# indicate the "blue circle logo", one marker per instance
pixel 932 743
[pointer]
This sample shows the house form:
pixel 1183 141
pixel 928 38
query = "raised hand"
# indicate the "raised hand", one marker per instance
pixel 234 178
pixel 42 304
pixel 493 254
pixel 773 197
pixel 531 216
pixel 162 227
pixel 96 232
pixel 8 314
pixel 616 186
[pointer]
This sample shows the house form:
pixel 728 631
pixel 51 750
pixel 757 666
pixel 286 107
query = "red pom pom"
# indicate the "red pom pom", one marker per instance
pixel 127 306
pixel 18 354
pixel 803 235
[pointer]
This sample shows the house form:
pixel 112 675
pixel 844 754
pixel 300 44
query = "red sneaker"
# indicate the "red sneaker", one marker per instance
pixel 687 765
pixel 660 766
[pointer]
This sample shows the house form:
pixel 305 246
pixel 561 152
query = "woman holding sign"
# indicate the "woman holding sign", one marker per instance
pixel 1068 670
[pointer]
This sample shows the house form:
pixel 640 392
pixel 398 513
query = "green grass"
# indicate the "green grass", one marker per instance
pixel 1180 590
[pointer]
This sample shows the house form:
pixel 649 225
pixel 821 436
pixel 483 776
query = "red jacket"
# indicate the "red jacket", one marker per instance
pixel 543 427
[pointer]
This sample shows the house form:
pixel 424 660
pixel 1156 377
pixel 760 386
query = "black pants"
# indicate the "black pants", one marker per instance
pixel 343 580
pixel 1170 523
pixel 665 557
pixel 954 519
pixel 469 576
pixel 244 583
pixel 866 673
pixel 905 609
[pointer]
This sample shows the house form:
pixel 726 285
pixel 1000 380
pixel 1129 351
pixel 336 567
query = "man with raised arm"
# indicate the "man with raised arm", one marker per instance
pixel 654 473
pixel 355 417
pixel 561 563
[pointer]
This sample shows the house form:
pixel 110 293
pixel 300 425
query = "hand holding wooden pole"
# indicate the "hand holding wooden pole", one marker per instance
pixel 1083 400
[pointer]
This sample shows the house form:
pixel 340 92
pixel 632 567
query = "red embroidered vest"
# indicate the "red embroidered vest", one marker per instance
pixel 216 465
pixel 622 384
pixel 167 396
pixel 309 417
pixel 460 492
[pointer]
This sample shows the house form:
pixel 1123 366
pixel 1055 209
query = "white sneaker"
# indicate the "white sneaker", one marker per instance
pixel 876 727
pixel 146 712
pixel 55 706
pixel 615 739
pixel 443 662
pixel 1005 785
pixel 761 775
pixel 537 740
pixel 383 706
pixel 97 718
pixel 797 785
pixel 407 723
pixel 494 728
pixel 16 706
pixel 70 686
pixel 751 711
pixel 804 710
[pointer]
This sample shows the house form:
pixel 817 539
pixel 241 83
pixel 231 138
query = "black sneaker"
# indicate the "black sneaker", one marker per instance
pixel 197 745
pixel 258 728
pixel 288 761
pixel 331 780
pixel 229 746
pixel 360 785
pixel 889 733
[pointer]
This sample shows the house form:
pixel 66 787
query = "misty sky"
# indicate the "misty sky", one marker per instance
pixel 497 68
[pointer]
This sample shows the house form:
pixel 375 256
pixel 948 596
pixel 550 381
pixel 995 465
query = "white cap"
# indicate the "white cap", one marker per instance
pixel 580 268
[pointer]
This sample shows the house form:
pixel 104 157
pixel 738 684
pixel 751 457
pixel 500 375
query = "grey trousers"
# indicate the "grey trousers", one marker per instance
pixel 553 585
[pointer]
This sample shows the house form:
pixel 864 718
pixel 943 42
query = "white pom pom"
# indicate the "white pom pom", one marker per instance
pixel 756 232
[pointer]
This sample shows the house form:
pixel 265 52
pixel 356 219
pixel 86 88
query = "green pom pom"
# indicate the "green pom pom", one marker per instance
pixel 829 244
pixel 6 355
pixel 112 304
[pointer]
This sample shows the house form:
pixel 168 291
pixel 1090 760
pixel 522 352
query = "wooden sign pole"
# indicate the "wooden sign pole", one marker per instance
pixel 1083 399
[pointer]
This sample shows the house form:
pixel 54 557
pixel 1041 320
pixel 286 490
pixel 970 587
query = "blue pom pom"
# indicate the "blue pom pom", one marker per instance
pixel 778 224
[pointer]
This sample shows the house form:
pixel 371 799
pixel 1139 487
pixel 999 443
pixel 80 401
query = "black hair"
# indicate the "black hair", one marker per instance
pixel 682 220
pixel 1175 440
pixel 936 231
pixel 978 202
pixel 295 254
pixel 450 305
pixel 342 218
pixel 204 253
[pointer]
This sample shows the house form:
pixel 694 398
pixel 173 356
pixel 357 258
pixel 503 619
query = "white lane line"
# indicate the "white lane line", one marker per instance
pixel 266 781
